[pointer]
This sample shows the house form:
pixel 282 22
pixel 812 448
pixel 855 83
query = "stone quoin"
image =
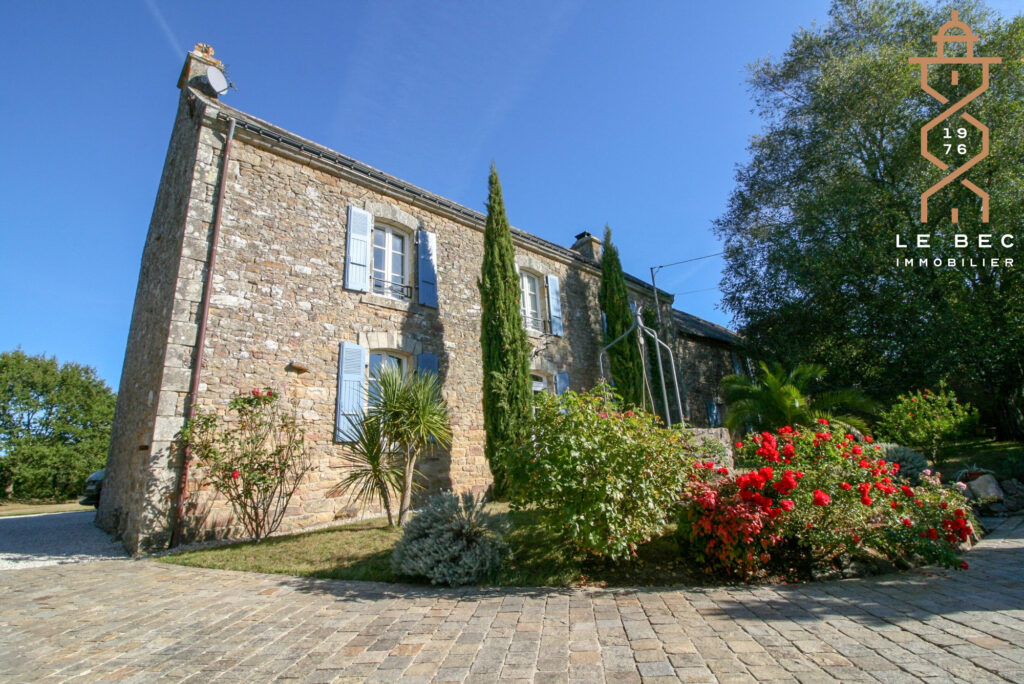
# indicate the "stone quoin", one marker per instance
pixel 326 267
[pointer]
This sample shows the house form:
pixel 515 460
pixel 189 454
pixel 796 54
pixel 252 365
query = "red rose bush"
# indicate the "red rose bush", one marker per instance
pixel 815 500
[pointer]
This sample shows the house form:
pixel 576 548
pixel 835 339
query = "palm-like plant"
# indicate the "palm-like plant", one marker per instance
pixel 375 470
pixel 780 397
pixel 412 416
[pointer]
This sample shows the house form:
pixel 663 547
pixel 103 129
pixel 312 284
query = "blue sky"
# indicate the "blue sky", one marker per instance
pixel 631 114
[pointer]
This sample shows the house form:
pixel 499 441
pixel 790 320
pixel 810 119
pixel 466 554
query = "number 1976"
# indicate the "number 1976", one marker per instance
pixel 948 135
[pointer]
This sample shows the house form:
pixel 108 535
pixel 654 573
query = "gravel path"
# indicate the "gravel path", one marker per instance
pixel 32 541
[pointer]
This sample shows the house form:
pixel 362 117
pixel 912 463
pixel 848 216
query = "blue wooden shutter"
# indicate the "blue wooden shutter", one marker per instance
pixel 427 257
pixel 561 383
pixel 357 249
pixel 426 362
pixel 555 305
pixel 714 417
pixel 351 388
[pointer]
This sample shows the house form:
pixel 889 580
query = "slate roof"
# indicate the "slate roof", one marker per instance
pixel 686 323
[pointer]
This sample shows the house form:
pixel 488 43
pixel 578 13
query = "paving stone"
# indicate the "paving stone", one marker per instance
pixel 76 622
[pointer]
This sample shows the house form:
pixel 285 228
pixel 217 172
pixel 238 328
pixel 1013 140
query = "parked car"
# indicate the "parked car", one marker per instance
pixel 93 487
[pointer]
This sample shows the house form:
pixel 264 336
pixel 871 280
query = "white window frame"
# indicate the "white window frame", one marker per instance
pixel 400 359
pixel 533 318
pixel 382 280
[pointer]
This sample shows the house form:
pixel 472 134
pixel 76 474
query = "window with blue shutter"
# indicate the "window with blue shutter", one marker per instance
pixel 351 388
pixel 561 383
pixel 357 249
pixel 427 363
pixel 714 415
pixel 554 305
pixel 427 267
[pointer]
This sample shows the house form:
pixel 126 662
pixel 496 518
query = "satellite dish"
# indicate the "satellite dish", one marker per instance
pixel 215 77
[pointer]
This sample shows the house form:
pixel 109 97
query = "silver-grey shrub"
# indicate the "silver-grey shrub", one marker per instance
pixel 452 540
pixel 911 462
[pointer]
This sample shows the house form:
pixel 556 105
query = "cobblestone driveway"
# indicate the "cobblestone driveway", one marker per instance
pixel 145 621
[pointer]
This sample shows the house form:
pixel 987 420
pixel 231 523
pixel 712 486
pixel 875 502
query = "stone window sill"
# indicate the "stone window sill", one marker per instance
pixel 387 302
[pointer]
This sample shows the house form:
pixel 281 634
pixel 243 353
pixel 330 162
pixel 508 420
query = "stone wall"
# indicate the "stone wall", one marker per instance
pixel 702 363
pixel 126 508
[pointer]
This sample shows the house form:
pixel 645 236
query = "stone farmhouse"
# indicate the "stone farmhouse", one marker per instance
pixel 273 261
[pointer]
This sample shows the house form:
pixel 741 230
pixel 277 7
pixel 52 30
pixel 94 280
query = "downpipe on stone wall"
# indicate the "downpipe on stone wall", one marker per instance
pixel 204 313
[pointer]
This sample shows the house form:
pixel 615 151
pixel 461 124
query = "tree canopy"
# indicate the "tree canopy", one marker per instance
pixel 54 425
pixel 836 177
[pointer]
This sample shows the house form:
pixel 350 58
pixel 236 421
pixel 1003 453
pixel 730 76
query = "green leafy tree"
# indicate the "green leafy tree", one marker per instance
pixel 780 397
pixel 508 398
pixel 411 416
pixel 837 174
pixel 624 357
pixel 54 426
pixel 925 420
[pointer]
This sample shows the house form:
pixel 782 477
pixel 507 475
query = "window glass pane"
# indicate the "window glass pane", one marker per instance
pixel 398 243
pixel 379 262
pixel 398 268
pixel 379 238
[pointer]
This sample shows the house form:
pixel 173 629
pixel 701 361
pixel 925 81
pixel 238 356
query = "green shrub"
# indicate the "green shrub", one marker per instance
pixel 911 462
pixel 925 419
pixel 450 541
pixel 601 477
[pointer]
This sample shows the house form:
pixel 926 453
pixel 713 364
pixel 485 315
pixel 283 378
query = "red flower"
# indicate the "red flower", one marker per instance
pixel 235 475
pixel 959 513
pixel 964 565
pixel 906 521
pixel 933 533
pixel 269 393
pixel 846 485
pixel 943 505
pixel 906 490
pixel 866 500
pixel 256 392
pixel 823 421
pixel 787 504
pixel 857 450
pixel 739 445
pixel 602 414
pixel 723 471
pixel 869 439
pixel 910 415
pixel 821 498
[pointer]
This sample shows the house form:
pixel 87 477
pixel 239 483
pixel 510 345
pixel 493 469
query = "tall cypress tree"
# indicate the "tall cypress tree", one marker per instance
pixel 624 358
pixel 508 399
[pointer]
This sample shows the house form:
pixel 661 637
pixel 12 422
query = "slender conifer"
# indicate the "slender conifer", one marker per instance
pixel 508 399
pixel 624 357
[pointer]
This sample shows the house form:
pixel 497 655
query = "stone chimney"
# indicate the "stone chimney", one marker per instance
pixel 193 74
pixel 588 245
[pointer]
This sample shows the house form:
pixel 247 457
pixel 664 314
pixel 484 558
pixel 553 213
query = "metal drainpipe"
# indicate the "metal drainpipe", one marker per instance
pixel 204 313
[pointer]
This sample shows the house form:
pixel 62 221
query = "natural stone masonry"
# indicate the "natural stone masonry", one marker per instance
pixel 279 301
pixel 147 621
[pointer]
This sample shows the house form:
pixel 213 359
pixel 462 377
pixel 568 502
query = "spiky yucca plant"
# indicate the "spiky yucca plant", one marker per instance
pixel 375 467
pixel 412 416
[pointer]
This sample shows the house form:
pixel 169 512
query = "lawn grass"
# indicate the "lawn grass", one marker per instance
pixel 12 508
pixel 1005 459
pixel 358 551
pixel 362 551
